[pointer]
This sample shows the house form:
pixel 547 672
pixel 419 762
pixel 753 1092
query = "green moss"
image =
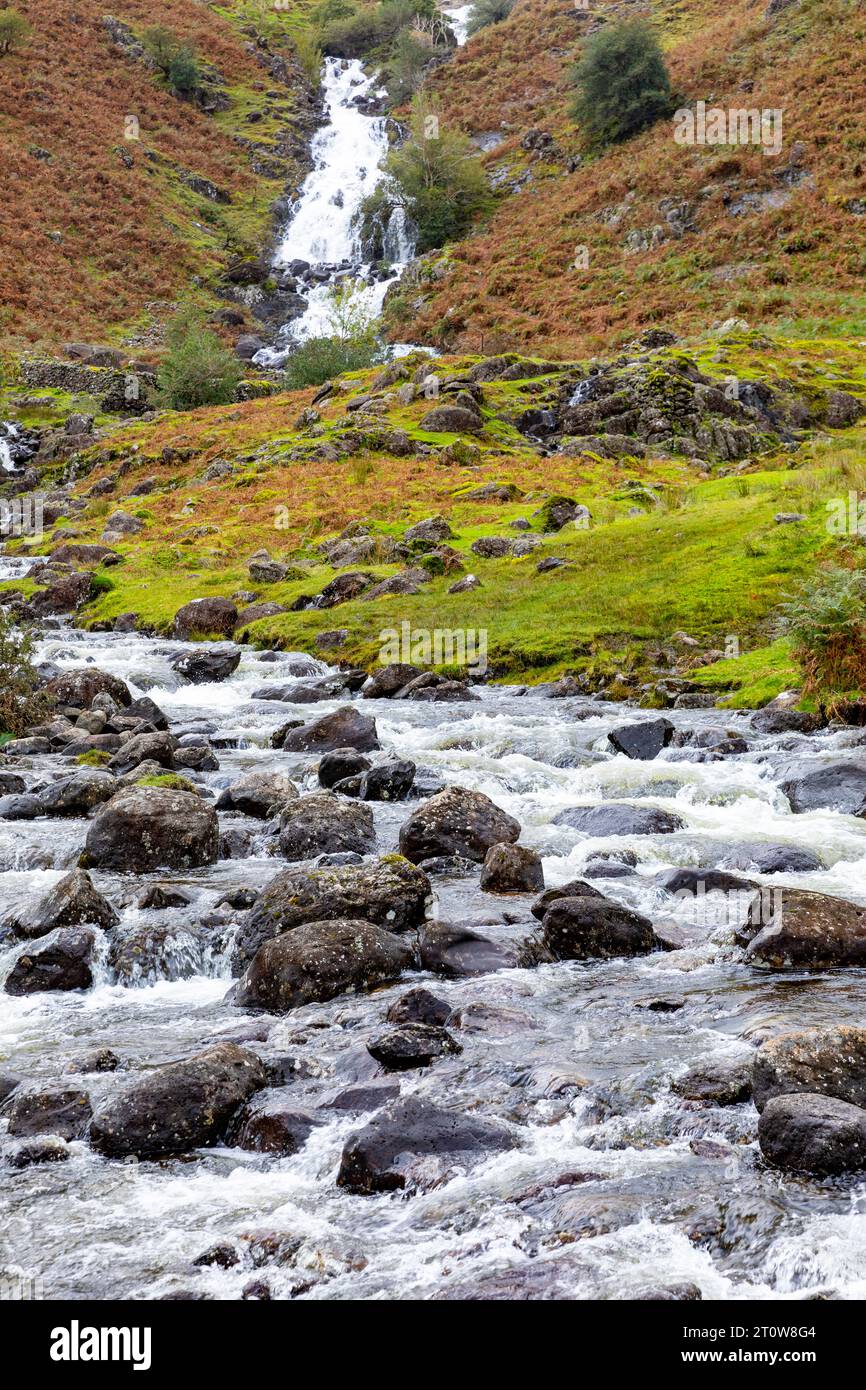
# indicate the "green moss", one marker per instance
pixel 170 781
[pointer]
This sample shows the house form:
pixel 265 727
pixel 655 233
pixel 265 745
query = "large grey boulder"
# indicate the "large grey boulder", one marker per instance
pixel 325 824
pixel 72 901
pixel 456 822
pixel 380 1157
pixel 145 828
pixel 320 960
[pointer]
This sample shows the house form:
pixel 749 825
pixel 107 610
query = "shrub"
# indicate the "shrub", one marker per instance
pixel 622 83
pixel 435 177
pixel 486 12
pixel 184 77
pixel 827 627
pixel 197 370
pixel 411 52
pixel 160 45
pixel 351 345
pixel 362 29
pixel 22 702
pixel 15 30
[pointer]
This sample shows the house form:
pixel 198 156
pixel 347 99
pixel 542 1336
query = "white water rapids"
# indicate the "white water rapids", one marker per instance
pixel 94 1228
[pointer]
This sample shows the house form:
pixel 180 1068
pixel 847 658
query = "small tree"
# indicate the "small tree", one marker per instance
pixel 827 628
pixel 22 702
pixel 15 30
pixel 197 370
pixel 412 51
pixel 435 177
pixel 351 344
pixel 161 45
pixel 622 83
pixel 486 12
pixel 184 77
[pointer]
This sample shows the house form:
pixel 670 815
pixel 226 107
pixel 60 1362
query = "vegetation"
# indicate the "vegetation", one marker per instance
pixel 435 177
pixel 15 31
pixel 197 369
pixel 351 345
pixel 22 702
pixel 486 12
pixel 350 31
pixel 826 624
pixel 622 83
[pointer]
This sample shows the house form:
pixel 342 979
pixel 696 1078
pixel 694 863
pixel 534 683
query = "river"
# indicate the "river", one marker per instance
pixel 576 1063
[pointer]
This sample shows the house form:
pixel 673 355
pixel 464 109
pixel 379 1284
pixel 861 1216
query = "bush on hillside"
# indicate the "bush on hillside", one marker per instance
pixel 175 60
pixel 622 83
pixel 364 28
pixel 197 369
pixel 827 628
pixel 351 345
pixel 435 177
pixel 411 52
pixel 15 30
pixel 184 77
pixel 160 45
pixel 22 702
pixel 486 12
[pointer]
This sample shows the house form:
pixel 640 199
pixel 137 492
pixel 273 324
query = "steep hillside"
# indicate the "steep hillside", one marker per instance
pixel 683 234
pixel 94 226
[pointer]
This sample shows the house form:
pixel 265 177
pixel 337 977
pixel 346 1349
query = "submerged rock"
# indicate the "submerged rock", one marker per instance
pixel 456 952
pixel 379 1158
pixel 410 1045
pixel 619 818
pixel 34 1111
pixel 595 928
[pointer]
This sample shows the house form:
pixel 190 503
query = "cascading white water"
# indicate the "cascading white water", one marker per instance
pixel 322 231
pixel 7 431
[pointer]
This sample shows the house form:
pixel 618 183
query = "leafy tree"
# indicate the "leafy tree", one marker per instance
pixel 15 30
pixel 161 45
pixel 197 369
pixel 486 12
pixel 622 83
pixel 22 702
pixel 410 54
pixel 183 73
pixel 435 177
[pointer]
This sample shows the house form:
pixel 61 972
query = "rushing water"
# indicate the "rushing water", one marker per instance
pixel 323 230
pixel 663 1214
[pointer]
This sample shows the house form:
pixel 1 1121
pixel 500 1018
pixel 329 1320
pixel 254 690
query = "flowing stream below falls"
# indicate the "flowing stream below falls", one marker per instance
pixel 568 1055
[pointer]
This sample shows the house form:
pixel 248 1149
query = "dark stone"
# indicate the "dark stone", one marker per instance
pixel 456 952
pixel 205 617
pixel 575 888
pixel 72 901
pixel 839 785
pixel 378 1158
pixel 387 680
pixel 146 828
pixel 721 1083
pixel 34 1111
pixel 391 781
pixel 61 960
pixel 419 1006
pixel 644 741
pixel 815 1134
pixel 342 763
pixel 806 929
pixel 456 822
pixel 258 794
pixel 207 664
pixel 78 794
pixel 178 1107
pixel 764 858
pixel 595 928
pixel 828 1061
pixel 320 960
pixel 511 869
pixel 619 818
pixel 324 824
pixel 345 728
pixel 272 1123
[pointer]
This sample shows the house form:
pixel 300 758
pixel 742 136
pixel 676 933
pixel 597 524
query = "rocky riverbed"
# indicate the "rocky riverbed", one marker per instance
pixel 320 989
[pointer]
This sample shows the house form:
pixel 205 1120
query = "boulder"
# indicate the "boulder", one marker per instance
pixel 456 822
pixel 806 930
pixel 72 901
pixel 644 740
pixel 390 893
pixel 342 763
pixel 619 818
pixel 814 1134
pixel 451 419
pixel 456 952
pixel 273 1123
pixel 387 680
pixel 343 588
pixel 695 882
pixel 511 869
pixel 827 1061
pixel 146 828
pixel 156 748
pixel 35 1111
pixel 61 961
pixel 410 1045
pixel 258 794
pixel 205 617
pixel 79 687
pixel 347 727
pixel 78 794
pixel 575 888
pixel 391 781
pixel 147 710
pixel 762 858
pixel 774 720
pixel 180 1106
pixel 325 824
pixel 839 785
pixel 492 547
pixel 719 1083
pixel 595 929
pixel 379 1157
pixel 419 1006
pixel 205 665
pixel 320 960
pixel 434 528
